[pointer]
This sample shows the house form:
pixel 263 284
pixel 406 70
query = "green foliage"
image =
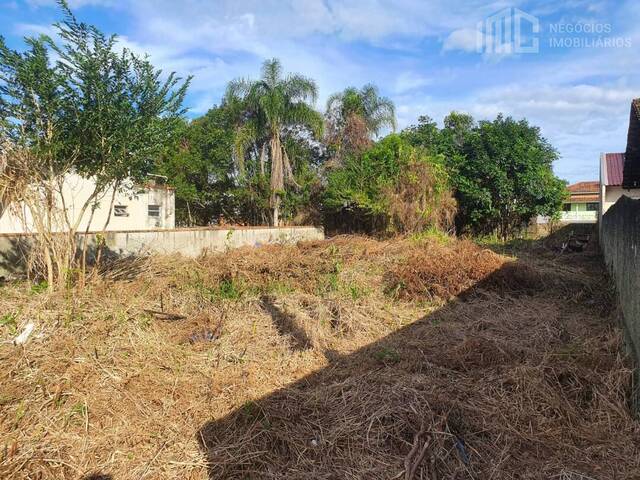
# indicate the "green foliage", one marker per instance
pixel 387 355
pixel 359 184
pixel 355 116
pixel 501 170
pixel 505 177
pixel 98 111
pixel 430 233
pixel 392 186
pixel 227 289
pixel 40 287
pixel 122 113
pixel 209 188
pixel 269 111
pixel 9 320
pixel 199 165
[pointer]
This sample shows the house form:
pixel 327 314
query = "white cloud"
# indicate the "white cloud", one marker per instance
pixel 581 121
pixel 465 39
pixel 579 97
pixel 408 80
pixel 33 29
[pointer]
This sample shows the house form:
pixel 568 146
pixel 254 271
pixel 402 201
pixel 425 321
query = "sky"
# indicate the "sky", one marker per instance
pixel 570 67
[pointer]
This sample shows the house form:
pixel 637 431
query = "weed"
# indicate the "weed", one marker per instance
pixel 278 287
pixel 9 320
pixel 40 287
pixel 6 400
pixel 227 289
pixel 357 292
pixel 330 283
pixel 77 413
pixel 21 411
pixel 251 411
pixel 387 355
pixel 430 233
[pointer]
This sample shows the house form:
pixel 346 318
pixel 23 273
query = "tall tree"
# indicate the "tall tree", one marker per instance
pixel 99 111
pixel 354 116
pixel 267 109
pixel 200 167
pixel 505 177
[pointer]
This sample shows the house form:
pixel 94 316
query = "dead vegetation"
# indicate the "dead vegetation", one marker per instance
pixel 350 358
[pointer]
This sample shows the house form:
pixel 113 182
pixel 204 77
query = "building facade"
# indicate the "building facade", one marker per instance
pixel 583 203
pixel 611 181
pixel 135 208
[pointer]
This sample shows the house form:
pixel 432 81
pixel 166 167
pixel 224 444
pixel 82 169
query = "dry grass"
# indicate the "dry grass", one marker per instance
pixel 336 359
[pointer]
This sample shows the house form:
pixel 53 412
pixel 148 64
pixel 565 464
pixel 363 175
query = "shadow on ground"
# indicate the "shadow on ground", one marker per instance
pixel 520 377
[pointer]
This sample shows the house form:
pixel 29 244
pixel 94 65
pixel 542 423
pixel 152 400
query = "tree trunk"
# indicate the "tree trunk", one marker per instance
pixel 104 229
pixel 276 211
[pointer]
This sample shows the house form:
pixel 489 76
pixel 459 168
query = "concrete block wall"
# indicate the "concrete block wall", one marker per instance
pixel 193 242
pixel 189 242
pixel 620 243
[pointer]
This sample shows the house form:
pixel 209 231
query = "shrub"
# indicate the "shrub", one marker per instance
pixel 392 187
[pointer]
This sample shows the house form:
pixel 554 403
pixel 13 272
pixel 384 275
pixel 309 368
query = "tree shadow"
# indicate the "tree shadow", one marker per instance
pixel 16 251
pixel 286 324
pixel 468 391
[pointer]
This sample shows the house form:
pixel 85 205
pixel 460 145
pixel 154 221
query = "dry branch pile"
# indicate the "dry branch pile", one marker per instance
pixel 335 359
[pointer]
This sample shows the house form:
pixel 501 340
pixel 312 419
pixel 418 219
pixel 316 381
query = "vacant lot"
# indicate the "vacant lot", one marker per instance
pixel 349 358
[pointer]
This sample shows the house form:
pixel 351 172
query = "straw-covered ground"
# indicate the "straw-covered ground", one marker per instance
pixel 349 358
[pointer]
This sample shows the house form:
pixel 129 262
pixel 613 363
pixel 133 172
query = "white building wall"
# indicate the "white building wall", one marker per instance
pixel 612 195
pixel 76 191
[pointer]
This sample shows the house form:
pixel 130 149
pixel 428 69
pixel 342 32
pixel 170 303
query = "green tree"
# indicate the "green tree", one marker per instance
pixel 425 134
pixel 393 186
pixel 354 116
pixel 268 109
pixel 99 111
pixel 199 165
pixel 505 177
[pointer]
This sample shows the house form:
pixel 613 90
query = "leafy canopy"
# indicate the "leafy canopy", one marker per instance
pixel 391 186
pixel 268 110
pixel 505 177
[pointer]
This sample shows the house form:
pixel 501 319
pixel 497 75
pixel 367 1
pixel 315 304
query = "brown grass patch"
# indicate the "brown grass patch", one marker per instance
pixel 295 362
pixel 438 271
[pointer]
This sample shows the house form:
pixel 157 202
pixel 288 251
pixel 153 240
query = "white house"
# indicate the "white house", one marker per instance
pixel 145 208
pixel 611 177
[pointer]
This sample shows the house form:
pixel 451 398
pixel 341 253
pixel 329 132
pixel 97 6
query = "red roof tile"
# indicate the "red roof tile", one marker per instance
pixel 614 163
pixel 584 198
pixel 585 187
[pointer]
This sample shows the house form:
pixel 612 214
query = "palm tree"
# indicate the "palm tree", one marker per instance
pixel 266 109
pixel 356 115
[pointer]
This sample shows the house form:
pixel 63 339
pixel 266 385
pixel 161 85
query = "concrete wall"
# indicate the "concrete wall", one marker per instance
pixel 193 242
pixel 620 242
pixel 188 242
pixel 613 193
pixel 76 190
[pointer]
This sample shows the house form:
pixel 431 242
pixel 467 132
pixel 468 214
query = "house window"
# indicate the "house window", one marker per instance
pixel 154 210
pixel 120 211
pixel 566 207
pixel 592 207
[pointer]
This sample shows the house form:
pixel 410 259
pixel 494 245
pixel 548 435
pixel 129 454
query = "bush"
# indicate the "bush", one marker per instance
pixel 392 187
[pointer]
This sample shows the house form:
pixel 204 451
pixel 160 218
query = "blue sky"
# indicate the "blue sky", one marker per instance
pixel 426 55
